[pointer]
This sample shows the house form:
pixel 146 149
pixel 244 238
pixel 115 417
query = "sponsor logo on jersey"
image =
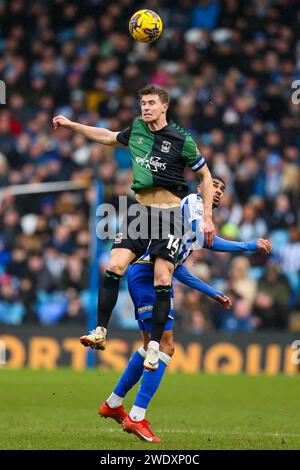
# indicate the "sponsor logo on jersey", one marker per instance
pixel 151 162
pixel 166 146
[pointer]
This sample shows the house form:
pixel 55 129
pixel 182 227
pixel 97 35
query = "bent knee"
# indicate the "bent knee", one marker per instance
pixel 164 280
pixel 163 276
pixel 168 349
pixel 117 267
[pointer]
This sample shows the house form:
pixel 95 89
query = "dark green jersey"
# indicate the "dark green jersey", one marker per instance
pixel 159 158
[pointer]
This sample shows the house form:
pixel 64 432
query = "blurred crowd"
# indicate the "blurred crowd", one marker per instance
pixel 229 68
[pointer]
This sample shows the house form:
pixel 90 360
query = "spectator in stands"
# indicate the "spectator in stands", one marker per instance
pixel 74 274
pixel 75 313
pixel 282 216
pixel 10 226
pixel 198 323
pixel 11 310
pixel 240 280
pixel 271 303
pixel 39 274
pixel 251 226
pixel 239 319
pixel 290 262
pixel 228 67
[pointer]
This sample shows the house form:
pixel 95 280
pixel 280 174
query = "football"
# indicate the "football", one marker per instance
pixel 145 26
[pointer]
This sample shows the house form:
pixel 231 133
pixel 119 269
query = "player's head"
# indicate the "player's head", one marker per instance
pixel 154 103
pixel 219 189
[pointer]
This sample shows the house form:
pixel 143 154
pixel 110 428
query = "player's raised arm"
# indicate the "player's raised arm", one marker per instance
pixel 207 193
pixel 197 163
pixel 183 275
pixel 97 134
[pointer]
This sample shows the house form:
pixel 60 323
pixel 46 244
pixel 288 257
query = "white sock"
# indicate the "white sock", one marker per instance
pixel 153 345
pixel 142 352
pixel 164 357
pixel 137 413
pixel 114 401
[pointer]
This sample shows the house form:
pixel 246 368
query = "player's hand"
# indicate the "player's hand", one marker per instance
pixel 209 231
pixel 224 300
pixel 264 245
pixel 62 121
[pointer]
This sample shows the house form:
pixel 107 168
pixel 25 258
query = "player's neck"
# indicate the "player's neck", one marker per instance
pixel 157 125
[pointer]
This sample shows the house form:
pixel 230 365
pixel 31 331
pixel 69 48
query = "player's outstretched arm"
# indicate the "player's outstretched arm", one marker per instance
pixel 220 244
pixel 97 134
pixel 183 275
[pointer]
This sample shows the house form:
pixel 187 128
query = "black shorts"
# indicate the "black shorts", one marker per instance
pixel 159 230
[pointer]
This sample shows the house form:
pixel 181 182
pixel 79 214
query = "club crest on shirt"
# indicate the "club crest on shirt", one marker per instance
pixel 166 146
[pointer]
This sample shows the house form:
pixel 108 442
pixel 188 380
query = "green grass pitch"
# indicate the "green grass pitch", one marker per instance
pixel 58 410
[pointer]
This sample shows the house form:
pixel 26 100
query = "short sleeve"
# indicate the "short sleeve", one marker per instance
pixel 124 136
pixel 192 155
pixel 193 208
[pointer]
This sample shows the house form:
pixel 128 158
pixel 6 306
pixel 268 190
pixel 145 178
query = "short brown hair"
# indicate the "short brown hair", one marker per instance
pixel 216 177
pixel 153 90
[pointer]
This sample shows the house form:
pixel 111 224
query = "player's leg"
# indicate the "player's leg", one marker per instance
pixel 108 294
pixel 135 422
pixel 112 407
pixel 128 245
pixel 120 258
pixel 151 381
pixel 164 251
pixel 140 287
pixel 163 271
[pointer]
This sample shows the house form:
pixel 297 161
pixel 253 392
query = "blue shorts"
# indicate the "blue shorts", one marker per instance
pixel 140 278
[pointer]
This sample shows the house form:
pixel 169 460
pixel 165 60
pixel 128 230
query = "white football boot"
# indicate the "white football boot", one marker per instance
pixel 96 339
pixel 151 361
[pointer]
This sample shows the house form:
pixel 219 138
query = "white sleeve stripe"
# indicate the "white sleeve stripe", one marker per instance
pixel 198 166
pixel 197 162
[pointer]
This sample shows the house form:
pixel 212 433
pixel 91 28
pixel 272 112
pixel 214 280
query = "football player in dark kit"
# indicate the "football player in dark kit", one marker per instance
pixel 160 151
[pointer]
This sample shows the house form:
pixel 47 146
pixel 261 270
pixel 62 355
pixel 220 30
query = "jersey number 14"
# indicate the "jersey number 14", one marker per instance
pixel 173 245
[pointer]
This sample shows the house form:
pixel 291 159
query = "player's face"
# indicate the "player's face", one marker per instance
pixel 219 189
pixel 152 108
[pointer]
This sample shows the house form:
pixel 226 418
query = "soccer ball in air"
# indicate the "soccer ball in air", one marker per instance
pixel 145 26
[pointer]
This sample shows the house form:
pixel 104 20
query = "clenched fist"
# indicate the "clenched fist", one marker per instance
pixel 264 245
pixel 62 121
pixel 224 300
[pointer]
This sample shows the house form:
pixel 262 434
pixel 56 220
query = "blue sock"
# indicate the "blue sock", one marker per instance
pixel 131 374
pixel 151 381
